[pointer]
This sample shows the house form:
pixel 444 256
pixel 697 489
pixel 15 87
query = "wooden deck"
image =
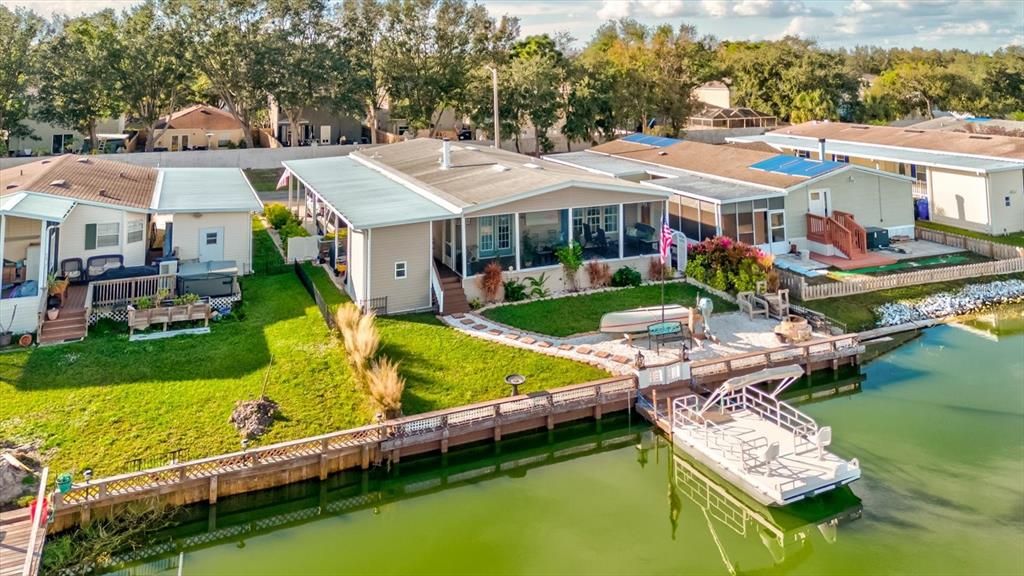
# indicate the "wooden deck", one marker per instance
pixel 861 261
pixel 15 534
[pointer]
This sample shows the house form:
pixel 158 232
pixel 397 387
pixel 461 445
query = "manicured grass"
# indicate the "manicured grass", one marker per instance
pixel 263 179
pixel 264 253
pixel 576 314
pixel 104 401
pixel 1014 239
pixel 858 311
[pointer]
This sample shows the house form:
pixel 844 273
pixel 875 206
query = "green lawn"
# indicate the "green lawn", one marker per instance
pixel 263 179
pixel 1014 239
pixel 858 311
pixel 104 401
pixel 576 314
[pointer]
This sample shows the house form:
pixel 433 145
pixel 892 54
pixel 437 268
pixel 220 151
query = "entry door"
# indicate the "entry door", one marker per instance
pixel 184 141
pixel 174 144
pixel 211 244
pixel 818 202
pixel 777 231
pixel 325 134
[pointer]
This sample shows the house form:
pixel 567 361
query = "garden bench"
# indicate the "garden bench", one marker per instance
pixel 669 332
pixel 164 315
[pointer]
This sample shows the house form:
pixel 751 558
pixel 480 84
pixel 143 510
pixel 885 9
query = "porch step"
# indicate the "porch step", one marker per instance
pixel 70 325
pixel 61 335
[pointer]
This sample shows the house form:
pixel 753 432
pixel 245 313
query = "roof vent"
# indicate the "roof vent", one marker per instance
pixel 15 185
pixel 662 153
pixel 82 160
pixel 61 183
pixel 976 137
pixel 859 127
pixel 501 168
pixel 533 166
pixel 45 162
pixel 914 131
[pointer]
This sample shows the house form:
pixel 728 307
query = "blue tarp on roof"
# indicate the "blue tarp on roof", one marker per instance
pixel 796 166
pixel 658 141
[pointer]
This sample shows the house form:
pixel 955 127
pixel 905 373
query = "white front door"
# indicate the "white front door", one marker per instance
pixel 325 134
pixel 211 244
pixel 818 202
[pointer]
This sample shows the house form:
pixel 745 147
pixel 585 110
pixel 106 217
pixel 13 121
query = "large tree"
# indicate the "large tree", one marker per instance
pixel 227 43
pixel 588 110
pixel 20 33
pixel 362 23
pixel 917 85
pixel 303 44
pixel 78 74
pixel 153 78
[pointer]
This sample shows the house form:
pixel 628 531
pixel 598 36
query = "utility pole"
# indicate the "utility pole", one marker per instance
pixel 494 84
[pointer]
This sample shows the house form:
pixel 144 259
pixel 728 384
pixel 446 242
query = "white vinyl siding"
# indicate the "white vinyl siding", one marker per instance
pixel 135 231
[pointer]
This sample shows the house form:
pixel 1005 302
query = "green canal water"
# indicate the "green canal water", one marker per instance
pixel 938 426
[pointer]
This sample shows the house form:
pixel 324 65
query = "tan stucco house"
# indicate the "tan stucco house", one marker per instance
pixel 199 126
pixel 973 181
pixel 424 218
pixel 756 196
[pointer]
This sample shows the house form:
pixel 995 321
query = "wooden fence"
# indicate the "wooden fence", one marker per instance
pixel 821 350
pixel 391 435
pixel 983 247
pixel 325 310
pixel 798 286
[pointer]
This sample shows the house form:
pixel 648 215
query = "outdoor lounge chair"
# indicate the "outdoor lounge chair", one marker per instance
pixel 73 270
pixel 752 304
pixel 97 266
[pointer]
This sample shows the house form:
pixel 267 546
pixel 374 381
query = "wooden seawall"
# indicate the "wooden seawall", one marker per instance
pixel 317 457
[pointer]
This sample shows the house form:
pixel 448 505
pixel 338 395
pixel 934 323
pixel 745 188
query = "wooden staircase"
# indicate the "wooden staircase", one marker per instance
pixel 839 230
pixel 455 301
pixel 71 325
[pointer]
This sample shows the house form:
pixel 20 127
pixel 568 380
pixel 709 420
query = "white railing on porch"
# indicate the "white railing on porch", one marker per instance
pixel 128 290
pixel 435 286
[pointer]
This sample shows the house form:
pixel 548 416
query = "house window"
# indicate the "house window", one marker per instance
pixel 611 219
pixel 803 153
pixel 211 238
pixel 401 270
pixel 134 233
pixel 102 235
pixel 840 158
pixel 504 232
pixel 913 171
pixel 485 235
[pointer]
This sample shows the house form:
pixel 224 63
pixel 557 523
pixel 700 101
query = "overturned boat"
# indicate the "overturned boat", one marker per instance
pixel 767 448
pixel 639 319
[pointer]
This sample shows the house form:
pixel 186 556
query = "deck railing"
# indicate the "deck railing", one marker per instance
pixel 37 536
pixel 435 286
pixel 387 435
pixel 128 290
pixel 839 230
pixel 802 353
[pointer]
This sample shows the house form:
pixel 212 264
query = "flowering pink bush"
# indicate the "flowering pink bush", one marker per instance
pixel 727 264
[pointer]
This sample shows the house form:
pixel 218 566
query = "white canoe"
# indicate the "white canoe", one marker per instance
pixel 638 319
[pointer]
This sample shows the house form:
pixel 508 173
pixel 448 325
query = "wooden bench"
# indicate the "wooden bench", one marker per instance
pixel 663 332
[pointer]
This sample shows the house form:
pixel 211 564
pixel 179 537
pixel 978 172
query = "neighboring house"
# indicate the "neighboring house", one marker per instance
pixel 425 217
pixel 50 139
pixel 320 126
pixel 761 198
pixel 714 93
pixel 198 127
pixel 973 181
pixel 89 219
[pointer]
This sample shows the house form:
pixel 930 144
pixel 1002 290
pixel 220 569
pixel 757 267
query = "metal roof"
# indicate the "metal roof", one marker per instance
pixel 795 166
pixel 889 153
pixel 204 190
pixel 36 206
pixel 721 191
pixel 657 141
pixel 364 197
pixel 601 163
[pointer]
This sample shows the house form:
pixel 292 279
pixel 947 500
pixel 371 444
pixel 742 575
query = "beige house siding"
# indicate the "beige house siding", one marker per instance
pixel 357 263
pixel 198 137
pixel 72 234
pixel 569 198
pixel 409 243
pixel 237 236
pixel 959 199
pixel 45 133
pixel 1003 187
pixel 872 199
pixel 555 277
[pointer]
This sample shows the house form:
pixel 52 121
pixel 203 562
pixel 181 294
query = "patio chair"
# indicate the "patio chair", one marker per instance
pixel 778 304
pixel 73 270
pixel 753 305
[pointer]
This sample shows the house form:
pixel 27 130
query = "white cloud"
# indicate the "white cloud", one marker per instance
pixel 859 7
pixel 47 8
pixel 664 8
pixel 775 8
pixel 615 9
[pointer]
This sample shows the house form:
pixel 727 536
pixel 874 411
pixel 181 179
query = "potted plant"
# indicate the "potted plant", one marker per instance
pixel 5 331
pixel 52 313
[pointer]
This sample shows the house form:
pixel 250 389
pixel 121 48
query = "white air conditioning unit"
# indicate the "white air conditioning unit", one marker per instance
pixel 169 267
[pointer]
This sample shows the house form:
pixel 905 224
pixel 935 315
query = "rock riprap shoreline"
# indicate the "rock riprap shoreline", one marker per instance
pixel 969 299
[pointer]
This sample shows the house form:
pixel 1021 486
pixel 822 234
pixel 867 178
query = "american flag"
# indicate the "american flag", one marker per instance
pixel 666 238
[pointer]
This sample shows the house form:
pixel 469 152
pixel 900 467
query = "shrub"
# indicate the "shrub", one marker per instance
pixel 144 303
pixel 490 281
pixel 571 258
pixel 185 299
pixel 292 230
pixel 386 385
pixel 626 276
pixel 727 265
pixel 515 291
pixel 277 215
pixel 359 336
pixel 538 285
pixel 598 273
pixel 656 270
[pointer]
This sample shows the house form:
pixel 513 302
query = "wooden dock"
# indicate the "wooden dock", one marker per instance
pixel 317 457
pixel 15 539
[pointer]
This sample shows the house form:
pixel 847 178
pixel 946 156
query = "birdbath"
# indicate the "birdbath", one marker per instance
pixel 514 380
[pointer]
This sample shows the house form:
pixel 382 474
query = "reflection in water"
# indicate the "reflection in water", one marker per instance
pixel 1000 322
pixel 785 533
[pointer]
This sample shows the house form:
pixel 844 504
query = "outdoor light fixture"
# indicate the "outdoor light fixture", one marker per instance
pixel 245 444
pixel 87 473
pixel 514 380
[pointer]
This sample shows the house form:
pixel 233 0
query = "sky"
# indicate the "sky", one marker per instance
pixel 977 25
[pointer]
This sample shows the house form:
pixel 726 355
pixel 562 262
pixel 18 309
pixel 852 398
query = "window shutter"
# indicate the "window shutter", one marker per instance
pixel 90 236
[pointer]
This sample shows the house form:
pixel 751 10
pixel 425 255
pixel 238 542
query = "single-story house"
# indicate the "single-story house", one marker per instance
pixel 973 181
pixel 87 219
pixel 196 127
pixel 45 138
pixel 767 199
pixel 425 217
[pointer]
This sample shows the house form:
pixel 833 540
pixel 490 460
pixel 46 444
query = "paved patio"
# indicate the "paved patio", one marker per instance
pixel 735 331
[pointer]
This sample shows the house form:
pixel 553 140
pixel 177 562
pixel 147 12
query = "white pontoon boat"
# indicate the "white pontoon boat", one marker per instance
pixel 639 319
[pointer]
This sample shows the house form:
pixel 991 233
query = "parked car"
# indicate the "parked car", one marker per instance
pixel 465 134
